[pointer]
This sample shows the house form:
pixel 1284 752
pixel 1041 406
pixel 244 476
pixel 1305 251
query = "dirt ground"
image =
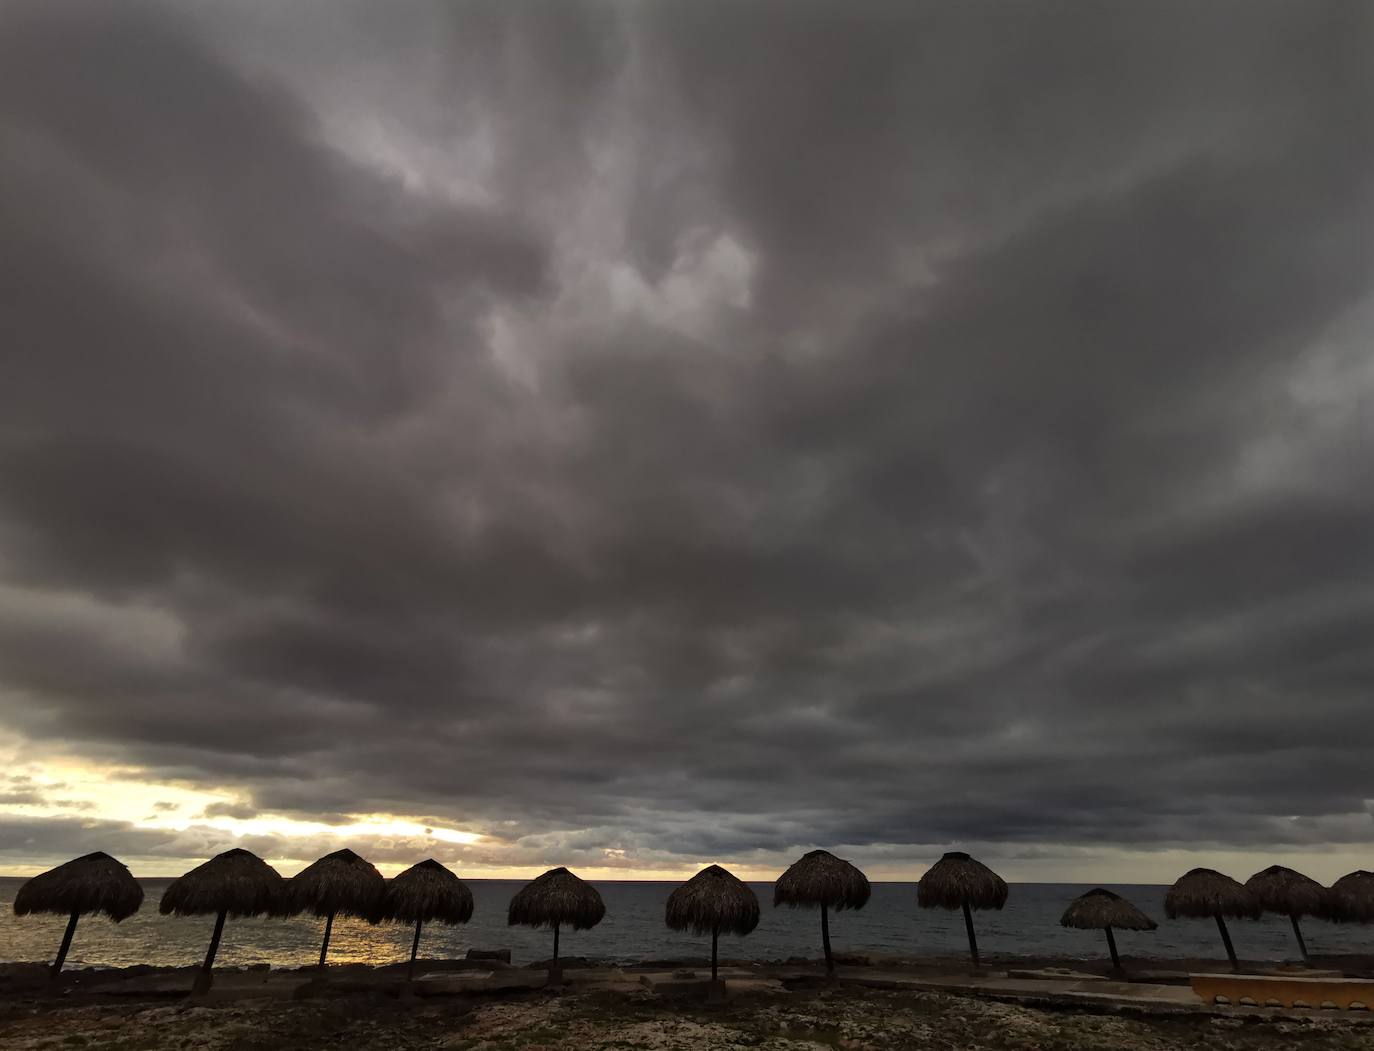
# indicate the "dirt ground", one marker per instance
pixel 800 1019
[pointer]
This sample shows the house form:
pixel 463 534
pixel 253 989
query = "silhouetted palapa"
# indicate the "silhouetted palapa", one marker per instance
pixel 714 901
pixel 235 883
pixel 1289 893
pixel 1203 893
pixel 957 881
pixel 95 883
pixel 554 899
pixel 423 894
pixel 821 879
pixel 1351 898
pixel 1102 910
pixel 338 884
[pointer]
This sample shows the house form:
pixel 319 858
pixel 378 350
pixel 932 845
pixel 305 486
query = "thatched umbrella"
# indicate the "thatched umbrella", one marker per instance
pixel 96 883
pixel 235 883
pixel 1291 894
pixel 1202 893
pixel 713 900
pixel 338 884
pixel 819 878
pixel 958 881
pixel 422 894
pixel 555 898
pixel 1351 898
pixel 1101 910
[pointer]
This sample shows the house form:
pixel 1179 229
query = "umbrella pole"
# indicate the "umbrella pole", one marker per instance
pixel 715 935
pixel 66 944
pixel 825 938
pixel 1297 933
pixel 1226 940
pixel 1111 944
pixel 555 977
pixel 204 978
pixel 972 938
pixel 414 948
pixel 324 947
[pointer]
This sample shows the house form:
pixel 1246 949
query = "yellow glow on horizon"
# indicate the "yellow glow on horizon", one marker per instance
pixel 72 789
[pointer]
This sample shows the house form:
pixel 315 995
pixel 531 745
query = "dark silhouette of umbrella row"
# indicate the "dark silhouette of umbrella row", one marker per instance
pixel 238 883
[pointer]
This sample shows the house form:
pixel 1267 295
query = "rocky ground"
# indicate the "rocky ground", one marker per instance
pixel 799 1019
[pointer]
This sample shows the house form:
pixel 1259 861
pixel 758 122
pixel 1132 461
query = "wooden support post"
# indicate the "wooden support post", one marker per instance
pixel 972 938
pixel 66 944
pixel 1226 940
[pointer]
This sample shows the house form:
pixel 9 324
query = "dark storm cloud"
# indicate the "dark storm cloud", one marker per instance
pixel 1017 499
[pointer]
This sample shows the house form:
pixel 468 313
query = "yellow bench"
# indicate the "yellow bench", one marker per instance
pixel 1254 990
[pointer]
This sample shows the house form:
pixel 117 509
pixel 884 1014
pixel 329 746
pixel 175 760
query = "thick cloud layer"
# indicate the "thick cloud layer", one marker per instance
pixel 697 430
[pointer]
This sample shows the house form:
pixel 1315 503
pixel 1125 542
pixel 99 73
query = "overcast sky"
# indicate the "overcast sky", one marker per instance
pixel 639 435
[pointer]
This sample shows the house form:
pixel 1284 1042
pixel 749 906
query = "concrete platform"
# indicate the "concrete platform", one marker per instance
pixel 733 982
pixel 467 983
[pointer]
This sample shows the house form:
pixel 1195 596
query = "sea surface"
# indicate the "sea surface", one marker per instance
pixel 633 930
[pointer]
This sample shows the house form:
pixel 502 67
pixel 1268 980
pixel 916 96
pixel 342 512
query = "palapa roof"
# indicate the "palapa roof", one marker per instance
pixel 95 883
pixel 820 878
pixel 713 900
pixel 427 892
pixel 556 897
pixel 1290 893
pixel 1100 908
pixel 1202 893
pixel 1351 898
pixel 341 883
pixel 236 882
pixel 957 878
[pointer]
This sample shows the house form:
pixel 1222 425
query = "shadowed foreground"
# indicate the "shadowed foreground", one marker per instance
pixel 797 1019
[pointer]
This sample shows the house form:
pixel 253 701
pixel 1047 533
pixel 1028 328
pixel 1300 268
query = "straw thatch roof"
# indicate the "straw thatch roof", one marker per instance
pixel 820 878
pixel 1202 893
pixel 340 883
pixel 427 892
pixel 96 883
pixel 557 897
pixel 236 882
pixel 715 899
pixel 956 879
pixel 1289 893
pixel 1351 898
pixel 1100 908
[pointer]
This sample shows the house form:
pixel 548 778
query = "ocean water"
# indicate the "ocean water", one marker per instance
pixel 633 930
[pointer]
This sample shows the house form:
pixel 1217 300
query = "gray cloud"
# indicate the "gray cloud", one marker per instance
pixel 702 429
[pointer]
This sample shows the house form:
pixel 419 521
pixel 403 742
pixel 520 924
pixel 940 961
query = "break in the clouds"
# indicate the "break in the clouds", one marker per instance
pixel 648 434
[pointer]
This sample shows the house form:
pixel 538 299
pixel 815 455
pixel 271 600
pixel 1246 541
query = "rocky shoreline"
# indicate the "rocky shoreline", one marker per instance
pixel 487 1005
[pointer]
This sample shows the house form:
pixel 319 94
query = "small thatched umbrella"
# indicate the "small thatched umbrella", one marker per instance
pixel 424 893
pixel 713 900
pixel 96 883
pixel 338 884
pixel 958 881
pixel 1101 910
pixel 1351 898
pixel 554 899
pixel 1291 894
pixel 819 878
pixel 235 883
pixel 1203 893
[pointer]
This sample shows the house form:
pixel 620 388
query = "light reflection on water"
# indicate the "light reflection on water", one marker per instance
pixel 633 930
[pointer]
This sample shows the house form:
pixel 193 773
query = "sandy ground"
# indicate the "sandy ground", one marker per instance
pixel 368 1011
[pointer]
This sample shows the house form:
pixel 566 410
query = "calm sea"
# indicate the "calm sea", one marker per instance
pixel 633 930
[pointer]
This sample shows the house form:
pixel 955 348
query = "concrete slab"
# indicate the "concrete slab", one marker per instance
pixel 468 983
